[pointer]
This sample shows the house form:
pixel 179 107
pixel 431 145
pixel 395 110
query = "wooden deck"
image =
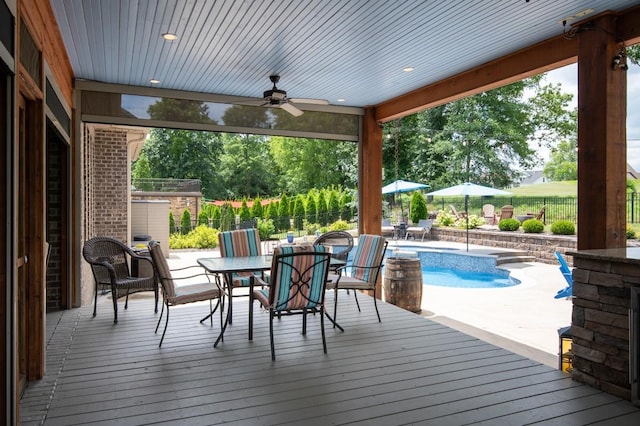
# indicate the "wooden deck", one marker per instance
pixel 404 370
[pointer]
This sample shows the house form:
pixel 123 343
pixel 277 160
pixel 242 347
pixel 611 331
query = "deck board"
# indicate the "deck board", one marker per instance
pixel 407 369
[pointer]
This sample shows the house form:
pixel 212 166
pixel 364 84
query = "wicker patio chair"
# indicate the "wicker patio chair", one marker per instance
pixel 174 295
pixel 297 287
pixel 109 260
pixel 341 243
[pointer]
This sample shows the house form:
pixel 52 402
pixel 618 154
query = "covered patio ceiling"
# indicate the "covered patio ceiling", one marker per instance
pixel 349 52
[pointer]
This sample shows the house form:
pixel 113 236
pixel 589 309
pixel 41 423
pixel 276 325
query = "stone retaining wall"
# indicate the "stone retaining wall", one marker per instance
pixel 540 246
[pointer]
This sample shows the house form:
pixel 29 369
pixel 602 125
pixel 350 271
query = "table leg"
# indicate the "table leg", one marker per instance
pixel 228 284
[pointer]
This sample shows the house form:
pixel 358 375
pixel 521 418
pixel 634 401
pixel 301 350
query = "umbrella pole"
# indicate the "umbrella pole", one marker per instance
pixel 466 209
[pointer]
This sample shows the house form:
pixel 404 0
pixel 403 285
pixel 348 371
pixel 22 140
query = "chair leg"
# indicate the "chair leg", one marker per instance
pixel 324 339
pixel 165 327
pixel 155 293
pixel 126 300
pixel 273 348
pixel 251 315
pixel 375 303
pixel 95 302
pixel 160 319
pixel 212 311
pixel 304 322
pixel 114 296
pixel 355 294
pixel 335 306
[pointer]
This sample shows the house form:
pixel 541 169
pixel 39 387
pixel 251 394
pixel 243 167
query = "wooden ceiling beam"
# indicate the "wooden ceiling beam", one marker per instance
pixel 542 57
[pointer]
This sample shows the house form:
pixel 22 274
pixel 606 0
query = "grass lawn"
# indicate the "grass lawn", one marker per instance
pixel 561 189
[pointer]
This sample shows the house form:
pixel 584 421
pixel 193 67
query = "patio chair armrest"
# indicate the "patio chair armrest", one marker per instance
pixel 256 281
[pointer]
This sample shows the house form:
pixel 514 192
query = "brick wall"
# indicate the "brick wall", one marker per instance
pixel 110 184
pixel 105 191
pixel 540 246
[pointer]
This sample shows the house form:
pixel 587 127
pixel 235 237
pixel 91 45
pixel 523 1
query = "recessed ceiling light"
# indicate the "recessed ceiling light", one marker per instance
pixel 341 99
pixel 154 81
pixel 169 36
pixel 408 69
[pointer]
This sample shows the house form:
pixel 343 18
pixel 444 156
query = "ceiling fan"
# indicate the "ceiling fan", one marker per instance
pixel 278 98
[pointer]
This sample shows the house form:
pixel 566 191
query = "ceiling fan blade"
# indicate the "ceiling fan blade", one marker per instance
pixel 291 109
pixel 309 101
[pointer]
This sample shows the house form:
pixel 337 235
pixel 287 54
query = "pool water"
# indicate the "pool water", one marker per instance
pixel 453 268
pixel 448 277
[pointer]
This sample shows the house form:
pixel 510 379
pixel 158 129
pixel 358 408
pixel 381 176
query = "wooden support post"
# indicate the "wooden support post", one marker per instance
pixel 370 176
pixel 602 155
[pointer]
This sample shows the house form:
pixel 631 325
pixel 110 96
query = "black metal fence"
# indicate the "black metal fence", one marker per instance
pixel 556 208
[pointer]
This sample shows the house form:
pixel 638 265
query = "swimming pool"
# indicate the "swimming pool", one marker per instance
pixel 446 268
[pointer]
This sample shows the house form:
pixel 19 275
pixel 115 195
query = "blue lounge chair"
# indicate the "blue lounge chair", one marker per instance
pixel 566 273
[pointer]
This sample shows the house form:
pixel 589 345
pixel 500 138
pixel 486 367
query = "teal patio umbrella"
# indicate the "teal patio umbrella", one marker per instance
pixel 468 189
pixel 399 186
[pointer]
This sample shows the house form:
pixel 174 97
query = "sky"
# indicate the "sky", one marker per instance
pixel 567 76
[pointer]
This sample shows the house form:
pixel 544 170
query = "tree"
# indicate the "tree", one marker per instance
pixel 181 154
pixel 333 205
pixel 246 166
pixel 563 162
pixel 256 208
pixel 310 208
pixel 185 222
pixel 283 223
pixel 322 208
pixel 483 138
pixel 304 164
pixel 418 207
pixel 298 213
pixel 244 213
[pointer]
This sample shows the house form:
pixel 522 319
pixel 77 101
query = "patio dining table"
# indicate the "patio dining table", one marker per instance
pixel 227 266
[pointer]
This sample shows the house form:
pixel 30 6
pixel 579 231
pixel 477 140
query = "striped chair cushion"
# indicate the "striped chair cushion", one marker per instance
pixel 369 252
pixel 241 242
pixel 288 272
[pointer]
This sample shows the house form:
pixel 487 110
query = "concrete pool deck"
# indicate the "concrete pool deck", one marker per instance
pixel 524 318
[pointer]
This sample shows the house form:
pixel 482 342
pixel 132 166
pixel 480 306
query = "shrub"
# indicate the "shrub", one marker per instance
pixel 532 226
pixel 563 227
pixel 202 237
pixel 310 228
pixel 445 219
pixel 509 225
pixel 185 222
pixel 203 218
pixel 339 225
pixel 172 223
pixel 418 207
pixel 266 228
pixel 474 222
pixel 631 233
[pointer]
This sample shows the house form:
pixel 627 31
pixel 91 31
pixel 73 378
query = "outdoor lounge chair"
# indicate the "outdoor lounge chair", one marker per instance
pixel 506 212
pixel 109 260
pixel 387 227
pixel 489 213
pixel 456 214
pixel 540 214
pixel 363 271
pixel 423 226
pixel 566 273
pixel 174 295
pixel 297 287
